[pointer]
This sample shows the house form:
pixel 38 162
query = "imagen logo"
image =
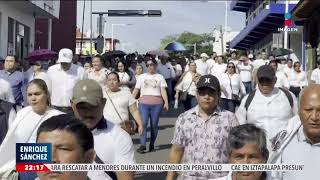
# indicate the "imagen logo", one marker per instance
pixel 288 24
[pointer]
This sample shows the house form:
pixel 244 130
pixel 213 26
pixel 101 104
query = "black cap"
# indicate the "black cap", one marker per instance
pixel 266 72
pixel 209 81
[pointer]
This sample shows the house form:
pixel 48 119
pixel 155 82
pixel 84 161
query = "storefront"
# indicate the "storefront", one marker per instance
pixel 308 11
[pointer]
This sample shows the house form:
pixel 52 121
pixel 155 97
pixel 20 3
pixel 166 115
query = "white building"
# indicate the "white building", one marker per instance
pixel 227 37
pixel 17 24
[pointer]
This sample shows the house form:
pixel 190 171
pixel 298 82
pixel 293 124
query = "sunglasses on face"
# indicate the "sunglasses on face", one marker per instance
pixel 231 67
pixel 151 64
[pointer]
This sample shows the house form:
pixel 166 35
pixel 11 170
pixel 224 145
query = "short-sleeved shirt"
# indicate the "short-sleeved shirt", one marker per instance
pixel 122 100
pixel 300 151
pixel 113 146
pixel 204 141
pixel 315 76
pixel 151 84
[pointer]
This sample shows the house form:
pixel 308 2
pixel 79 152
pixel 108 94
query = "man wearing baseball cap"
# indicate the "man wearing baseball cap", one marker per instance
pixel 268 107
pixel 64 75
pixel 201 133
pixel 112 144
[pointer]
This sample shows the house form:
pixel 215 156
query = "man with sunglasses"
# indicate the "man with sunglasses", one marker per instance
pixel 268 107
pixel 201 133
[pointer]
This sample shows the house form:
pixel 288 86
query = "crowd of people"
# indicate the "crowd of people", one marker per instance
pixel 238 109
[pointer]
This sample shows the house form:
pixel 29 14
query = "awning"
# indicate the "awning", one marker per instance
pixel 304 9
pixel 241 5
pixel 266 22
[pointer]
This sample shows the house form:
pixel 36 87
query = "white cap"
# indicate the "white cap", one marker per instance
pixel 204 55
pixel 65 56
pixel 250 56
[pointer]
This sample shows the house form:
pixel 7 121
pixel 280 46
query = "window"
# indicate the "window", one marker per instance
pixel 10 46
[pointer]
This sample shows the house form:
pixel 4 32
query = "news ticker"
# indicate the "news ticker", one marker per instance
pixel 36 157
pixel 156 167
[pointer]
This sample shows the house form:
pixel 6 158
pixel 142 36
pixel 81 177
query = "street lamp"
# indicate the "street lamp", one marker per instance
pixel 112 25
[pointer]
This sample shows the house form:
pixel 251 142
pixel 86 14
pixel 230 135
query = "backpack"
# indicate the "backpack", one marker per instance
pixel 251 96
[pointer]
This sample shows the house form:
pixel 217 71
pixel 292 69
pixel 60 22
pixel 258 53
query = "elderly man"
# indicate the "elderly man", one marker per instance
pixel 201 133
pixel 268 107
pixel 112 144
pixel 16 79
pixel 247 144
pixel 64 76
pixel 299 142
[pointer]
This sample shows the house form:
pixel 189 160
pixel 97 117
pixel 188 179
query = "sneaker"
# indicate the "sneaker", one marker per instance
pixel 151 148
pixel 141 149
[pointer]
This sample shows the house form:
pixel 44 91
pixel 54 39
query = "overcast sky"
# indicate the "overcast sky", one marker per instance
pixel 145 33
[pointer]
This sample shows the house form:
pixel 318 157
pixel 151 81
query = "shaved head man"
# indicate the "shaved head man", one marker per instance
pixel 299 143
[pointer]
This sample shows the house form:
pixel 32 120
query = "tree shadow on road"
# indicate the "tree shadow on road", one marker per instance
pixel 151 175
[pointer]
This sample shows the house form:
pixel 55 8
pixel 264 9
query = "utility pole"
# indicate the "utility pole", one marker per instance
pixel 221 36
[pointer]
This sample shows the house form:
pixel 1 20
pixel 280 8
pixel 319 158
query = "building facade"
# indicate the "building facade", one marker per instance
pixel 265 27
pixel 17 24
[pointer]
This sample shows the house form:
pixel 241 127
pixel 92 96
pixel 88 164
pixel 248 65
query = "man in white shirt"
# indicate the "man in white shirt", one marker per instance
pixel 282 80
pixel 219 68
pixel 166 70
pixel 233 58
pixel 5 91
pixel 245 69
pixel 315 75
pixel 64 76
pixel 288 69
pixel 267 107
pixel 112 144
pixel 299 142
pixel 212 61
pixel 202 66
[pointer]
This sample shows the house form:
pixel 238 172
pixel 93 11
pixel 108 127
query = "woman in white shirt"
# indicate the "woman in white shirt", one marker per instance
pixel 27 121
pixel 232 88
pixel 297 79
pixel 39 73
pixel 119 103
pixel 127 78
pixel 139 71
pixel 187 83
pixel 154 98
pixel 98 72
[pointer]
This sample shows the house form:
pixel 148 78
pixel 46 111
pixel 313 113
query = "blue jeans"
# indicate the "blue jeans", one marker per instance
pixel 228 104
pixel 151 111
pixel 248 86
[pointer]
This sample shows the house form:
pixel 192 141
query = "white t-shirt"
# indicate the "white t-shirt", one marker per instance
pixel 202 67
pixel 6 91
pixel 23 130
pixel 62 83
pixel 315 75
pixel 260 62
pixel 122 100
pixel 210 63
pixel 44 77
pixel 298 79
pixel 124 77
pixel 218 69
pixel 245 72
pixel 151 84
pixel 282 80
pixel 236 83
pixel 177 69
pixel 113 146
pixel 187 84
pixel 99 76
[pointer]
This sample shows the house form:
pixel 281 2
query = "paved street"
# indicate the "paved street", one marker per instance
pixel 163 144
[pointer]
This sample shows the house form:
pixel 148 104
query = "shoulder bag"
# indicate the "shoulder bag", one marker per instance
pixel 234 97
pixel 130 126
